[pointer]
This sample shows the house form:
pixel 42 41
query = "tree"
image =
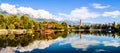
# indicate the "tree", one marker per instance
pixel 64 24
pixel 24 18
pixel 30 25
pixel 3 26
pixel 25 21
pixel 40 25
pixel 11 26
pixel 1 18
pixel 36 25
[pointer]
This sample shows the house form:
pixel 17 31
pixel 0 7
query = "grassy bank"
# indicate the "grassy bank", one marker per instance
pixel 15 31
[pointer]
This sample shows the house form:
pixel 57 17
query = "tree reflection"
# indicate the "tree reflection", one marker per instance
pixel 14 40
pixel 98 33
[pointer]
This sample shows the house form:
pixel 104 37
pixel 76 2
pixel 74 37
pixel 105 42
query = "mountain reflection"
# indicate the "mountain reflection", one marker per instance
pixel 79 40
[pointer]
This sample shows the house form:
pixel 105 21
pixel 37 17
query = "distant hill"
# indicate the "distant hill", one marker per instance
pixel 49 20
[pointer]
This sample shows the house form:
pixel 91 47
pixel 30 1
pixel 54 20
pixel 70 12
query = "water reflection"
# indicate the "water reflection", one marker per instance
pixel 83 43
pixel 75 42
pixel 40 44
pixel 114 43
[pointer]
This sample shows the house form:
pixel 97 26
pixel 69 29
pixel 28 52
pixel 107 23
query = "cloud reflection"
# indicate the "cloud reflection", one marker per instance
pixel 83 43
pixel 8 50
pixel 36 44
pixel 74 41
pixel 78 43
pixel 40 44
pixel 114 43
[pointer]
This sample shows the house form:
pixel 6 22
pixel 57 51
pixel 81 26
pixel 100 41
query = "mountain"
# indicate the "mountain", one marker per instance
pixel 67 21
pixel 49 20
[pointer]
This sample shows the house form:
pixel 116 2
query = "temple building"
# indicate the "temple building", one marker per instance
pixel 80 22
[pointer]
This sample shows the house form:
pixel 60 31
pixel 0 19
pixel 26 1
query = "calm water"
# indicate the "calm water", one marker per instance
pixel 62 42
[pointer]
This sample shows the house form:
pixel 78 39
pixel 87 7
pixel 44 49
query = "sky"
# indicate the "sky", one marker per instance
pixel 90 11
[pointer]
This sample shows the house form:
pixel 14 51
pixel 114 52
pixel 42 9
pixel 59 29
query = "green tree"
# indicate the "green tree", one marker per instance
pixel 36 25
pixel 11 26
pixel 1 18
pixel 64 24
pixel 3 26
pixel 25 21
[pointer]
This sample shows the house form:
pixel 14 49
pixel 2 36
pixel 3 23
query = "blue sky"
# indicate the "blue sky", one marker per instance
pixel 100 11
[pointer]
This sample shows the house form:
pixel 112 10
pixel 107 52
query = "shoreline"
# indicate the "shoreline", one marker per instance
pixel 15 31
pixel 49 31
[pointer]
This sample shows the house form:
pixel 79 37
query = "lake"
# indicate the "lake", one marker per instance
pixel 61 42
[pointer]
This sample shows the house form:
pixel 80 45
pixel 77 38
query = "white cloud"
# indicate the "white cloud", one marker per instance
pixel 99 6
pixel 83 13
pixel 8 8
pixel 112 14
pixel 74 15
pixel 35 13
pixel 40 13
pixel 80 13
